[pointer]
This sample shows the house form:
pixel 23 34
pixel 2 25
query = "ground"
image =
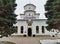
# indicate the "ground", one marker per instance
pixel 26 40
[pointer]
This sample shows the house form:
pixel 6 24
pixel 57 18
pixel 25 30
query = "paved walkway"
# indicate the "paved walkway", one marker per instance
pixel 24 40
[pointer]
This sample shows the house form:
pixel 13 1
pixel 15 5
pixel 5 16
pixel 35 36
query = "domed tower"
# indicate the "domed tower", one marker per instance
pixel 30 7
pixel 30 12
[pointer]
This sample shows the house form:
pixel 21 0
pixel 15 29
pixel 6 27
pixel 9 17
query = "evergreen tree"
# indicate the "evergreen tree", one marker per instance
pixel 7 17
pixel 53 14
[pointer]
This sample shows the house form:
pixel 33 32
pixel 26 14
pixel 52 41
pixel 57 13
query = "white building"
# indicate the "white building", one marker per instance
pixel 30 24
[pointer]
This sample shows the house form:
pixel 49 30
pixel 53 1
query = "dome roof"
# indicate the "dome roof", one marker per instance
pixel 29 4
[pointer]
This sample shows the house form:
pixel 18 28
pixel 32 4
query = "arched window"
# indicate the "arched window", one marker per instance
pixel 43 29
pixel 22 28
pixel 37 29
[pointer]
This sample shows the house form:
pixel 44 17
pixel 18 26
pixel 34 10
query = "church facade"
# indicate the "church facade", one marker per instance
pixel 30 24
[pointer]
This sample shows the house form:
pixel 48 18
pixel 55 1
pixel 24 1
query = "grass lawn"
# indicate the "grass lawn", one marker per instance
pixel 6 42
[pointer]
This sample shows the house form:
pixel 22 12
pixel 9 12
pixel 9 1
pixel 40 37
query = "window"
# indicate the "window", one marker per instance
pixel 37 29
pixel 43 29
pixel 29 7
pixel 22 29
pixel 29 14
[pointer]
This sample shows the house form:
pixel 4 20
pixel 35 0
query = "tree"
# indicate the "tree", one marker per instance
pixel 7 17
pixel 53 14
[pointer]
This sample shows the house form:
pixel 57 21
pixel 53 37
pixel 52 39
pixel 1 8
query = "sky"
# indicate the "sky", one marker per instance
pixel 38 3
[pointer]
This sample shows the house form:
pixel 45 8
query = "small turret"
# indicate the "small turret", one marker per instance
pixel 29 7
pixel 30 12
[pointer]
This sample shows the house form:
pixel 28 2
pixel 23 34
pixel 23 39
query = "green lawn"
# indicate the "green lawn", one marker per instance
pixel 6 42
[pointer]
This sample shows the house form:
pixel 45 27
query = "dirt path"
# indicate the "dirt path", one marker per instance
pixel 23 40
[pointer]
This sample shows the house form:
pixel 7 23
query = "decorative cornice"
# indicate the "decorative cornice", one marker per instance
pixel 29 11
pixel 32 19
pixel 22 14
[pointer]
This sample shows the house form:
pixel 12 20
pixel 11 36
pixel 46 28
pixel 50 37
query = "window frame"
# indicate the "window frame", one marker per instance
pixel 22 28
pixel 37 29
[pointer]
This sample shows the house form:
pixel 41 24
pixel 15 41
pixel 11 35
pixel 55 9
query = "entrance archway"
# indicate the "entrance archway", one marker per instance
pixel 29 31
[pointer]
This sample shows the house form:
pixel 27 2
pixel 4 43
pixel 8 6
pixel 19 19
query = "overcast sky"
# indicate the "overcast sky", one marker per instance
pixel 38 3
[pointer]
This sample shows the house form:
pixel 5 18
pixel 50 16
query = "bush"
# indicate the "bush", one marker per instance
pixel 24 35
pixel 34 35
pixel 3 42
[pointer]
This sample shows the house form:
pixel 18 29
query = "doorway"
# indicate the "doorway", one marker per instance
pixel 29 31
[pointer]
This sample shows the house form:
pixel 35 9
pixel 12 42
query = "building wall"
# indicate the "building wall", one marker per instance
pixel 33 27
pixel 40 24
pixel 19 24
pixel 30 14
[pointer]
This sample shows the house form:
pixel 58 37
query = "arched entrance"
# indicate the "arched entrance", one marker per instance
pixel 29 31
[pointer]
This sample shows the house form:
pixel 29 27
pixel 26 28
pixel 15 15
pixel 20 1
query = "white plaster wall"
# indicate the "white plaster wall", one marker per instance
pixel 31 13
pixel 27 15
pixel 34 24
pixel 19 24
pixel 24 24
pixel 40 24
